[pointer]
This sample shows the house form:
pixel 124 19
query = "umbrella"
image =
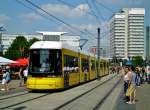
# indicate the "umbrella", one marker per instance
pixel 5 61
pixel 21 62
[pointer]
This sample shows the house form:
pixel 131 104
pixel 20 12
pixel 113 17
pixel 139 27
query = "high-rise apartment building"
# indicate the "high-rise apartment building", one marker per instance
pixel 147 41
pixel 127 33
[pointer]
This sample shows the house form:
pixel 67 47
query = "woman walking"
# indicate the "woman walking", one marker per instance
pixel 132 88
pixel 126 81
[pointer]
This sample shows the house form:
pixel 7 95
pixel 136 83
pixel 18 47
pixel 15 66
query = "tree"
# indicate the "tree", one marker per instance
pixel 18 48
pixel 31 41
pixel 137 60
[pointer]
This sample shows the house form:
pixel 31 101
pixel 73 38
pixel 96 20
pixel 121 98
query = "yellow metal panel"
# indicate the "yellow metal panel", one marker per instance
pixel 101 69
pixel 92 75
pixel 84 56
pixel 73 79
pixel 70 52
pixel 81 77
pixel 45 83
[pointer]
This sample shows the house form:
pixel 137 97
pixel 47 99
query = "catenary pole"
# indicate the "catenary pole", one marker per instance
pixel 98 53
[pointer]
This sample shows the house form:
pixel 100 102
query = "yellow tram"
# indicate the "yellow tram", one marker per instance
pixel 54 65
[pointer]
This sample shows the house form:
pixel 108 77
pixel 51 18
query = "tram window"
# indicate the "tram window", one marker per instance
pixel 85 65
pixel 58 64
pixel 45 65
pixel 92 65
pixel 70 64
pixel 46 61
pixel 34 56
pixel 101 65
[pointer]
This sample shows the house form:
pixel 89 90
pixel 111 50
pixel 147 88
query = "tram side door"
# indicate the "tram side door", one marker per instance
pixel 66 71
pixel 66 78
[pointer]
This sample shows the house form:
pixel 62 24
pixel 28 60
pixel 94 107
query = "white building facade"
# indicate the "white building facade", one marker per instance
pixel 127 33
pixel 61 36
pixel 7 39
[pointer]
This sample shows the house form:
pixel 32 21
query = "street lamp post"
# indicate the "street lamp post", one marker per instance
pixel 98 53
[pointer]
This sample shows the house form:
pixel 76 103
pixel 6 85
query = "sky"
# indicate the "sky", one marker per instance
pixel 78 17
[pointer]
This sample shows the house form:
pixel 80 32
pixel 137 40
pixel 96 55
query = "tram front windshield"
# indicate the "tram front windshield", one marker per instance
pixel 46 62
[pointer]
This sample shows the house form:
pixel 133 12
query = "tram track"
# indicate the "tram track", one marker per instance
pixel 14 95
pixel 26 95
pixel 97 107
pixel 87 92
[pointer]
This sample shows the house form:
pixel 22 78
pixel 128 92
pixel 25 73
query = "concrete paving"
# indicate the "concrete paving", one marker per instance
pixel 48 102
pixel 13 88
pixel 110 102
pixel 142 100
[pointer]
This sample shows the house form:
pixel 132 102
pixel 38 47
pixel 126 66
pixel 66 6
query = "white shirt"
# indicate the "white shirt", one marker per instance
pixel 25 72
pixel 126 78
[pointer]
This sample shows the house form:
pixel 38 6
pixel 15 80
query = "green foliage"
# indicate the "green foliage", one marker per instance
pixel 137 60
pixel 31 41
pixel 19 48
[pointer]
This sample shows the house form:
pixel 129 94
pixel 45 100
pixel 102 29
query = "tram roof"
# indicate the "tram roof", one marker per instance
pixel 57 45
pixel 52 45
pixel 51 33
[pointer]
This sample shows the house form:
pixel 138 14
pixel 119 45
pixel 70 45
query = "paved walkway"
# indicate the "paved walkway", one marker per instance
pixel 13 88
pixel 142 100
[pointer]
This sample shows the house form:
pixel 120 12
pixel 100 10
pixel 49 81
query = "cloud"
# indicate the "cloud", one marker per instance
pixel 83 27
pixel 3 18
pixel 66 11
pixel 122 2
pixel 87 28
pixel 58 10
pixel 92 28
pixel 105 27
pixel 30 17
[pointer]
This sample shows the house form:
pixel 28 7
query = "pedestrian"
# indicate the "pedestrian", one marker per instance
pixel 5 79
pixel 21 76
pixel 142 75
pixel 25 73
pixel 126 81
pixel 138 79
pixel 132 88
